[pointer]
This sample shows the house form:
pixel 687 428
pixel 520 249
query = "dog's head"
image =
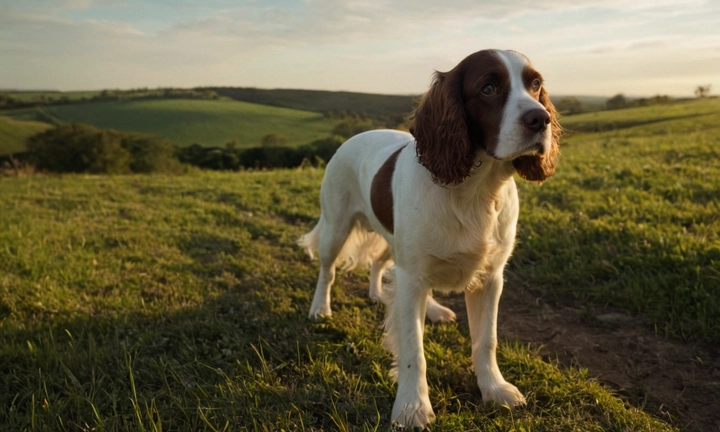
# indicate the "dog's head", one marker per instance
pixel 492 100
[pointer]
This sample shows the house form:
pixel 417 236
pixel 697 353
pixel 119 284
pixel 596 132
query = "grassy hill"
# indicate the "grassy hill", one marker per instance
pixel 184 121
pixel 323 101
pixel 244 115
pixel 180 302
pixel 630 220
pixel 14 133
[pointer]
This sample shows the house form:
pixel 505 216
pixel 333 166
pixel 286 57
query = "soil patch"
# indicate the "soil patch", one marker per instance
pixel 674 381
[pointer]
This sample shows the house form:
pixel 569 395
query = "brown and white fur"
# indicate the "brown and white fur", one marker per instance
pixel 442 206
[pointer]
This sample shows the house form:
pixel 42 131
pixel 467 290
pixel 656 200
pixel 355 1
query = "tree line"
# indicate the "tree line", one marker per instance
pixel 79 148
pixel 9 101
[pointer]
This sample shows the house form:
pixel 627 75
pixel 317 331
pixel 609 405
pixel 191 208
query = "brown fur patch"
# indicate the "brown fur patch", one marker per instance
pixel 381 198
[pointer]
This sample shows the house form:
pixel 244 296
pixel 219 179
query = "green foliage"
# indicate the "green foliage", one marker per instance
pixel 569 105
pixel 233 158
pixel 617 101
pixel 273 140
pixel 179 303
pixel 81 148
pixel 352 126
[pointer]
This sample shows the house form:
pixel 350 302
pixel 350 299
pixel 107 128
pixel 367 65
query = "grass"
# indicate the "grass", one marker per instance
pixel 14 133
pixel 185 121
pixel 631 219
pixel 179 303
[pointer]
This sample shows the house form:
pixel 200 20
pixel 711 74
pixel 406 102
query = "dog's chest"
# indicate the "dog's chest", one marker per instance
pixel 466 249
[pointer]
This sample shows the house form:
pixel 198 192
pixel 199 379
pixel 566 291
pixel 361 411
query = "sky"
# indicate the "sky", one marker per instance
pixel 581 47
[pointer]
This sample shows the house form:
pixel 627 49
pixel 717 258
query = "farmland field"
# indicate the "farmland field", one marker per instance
pixel 180 302
pixel 186 121
pixel 14 133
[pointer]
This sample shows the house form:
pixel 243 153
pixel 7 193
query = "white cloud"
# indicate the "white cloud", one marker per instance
pixel 595 46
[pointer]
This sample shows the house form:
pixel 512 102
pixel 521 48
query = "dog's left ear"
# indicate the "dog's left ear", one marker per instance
pixel 440 130
pixel 540 167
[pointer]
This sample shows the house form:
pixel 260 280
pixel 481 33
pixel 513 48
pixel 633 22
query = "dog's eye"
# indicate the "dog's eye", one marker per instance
pixel 489 89
pixel 536 84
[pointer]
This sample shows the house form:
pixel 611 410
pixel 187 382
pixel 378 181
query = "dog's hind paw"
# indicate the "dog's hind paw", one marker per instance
pixel 438 313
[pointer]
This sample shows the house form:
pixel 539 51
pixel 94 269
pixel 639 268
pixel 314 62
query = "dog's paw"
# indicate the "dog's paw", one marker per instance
pixel 376 295
pixel 412 414
pixel 503 393
pixel 438 313
pixel 319 312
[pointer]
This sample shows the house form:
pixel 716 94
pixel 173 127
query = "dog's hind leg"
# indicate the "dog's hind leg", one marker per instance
pixel 330 241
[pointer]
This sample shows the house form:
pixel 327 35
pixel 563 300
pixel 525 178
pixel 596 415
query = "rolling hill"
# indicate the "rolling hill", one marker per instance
pixel 207 122
pixel 13 133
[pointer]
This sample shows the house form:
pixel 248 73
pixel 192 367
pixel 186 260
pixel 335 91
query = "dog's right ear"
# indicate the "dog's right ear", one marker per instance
pixel 439 126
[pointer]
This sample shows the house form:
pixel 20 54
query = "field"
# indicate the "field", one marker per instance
pixel 185 121
pixel 14 133
pixel 180 302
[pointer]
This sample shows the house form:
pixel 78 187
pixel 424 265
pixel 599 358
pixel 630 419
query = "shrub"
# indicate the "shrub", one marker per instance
pixel 82 148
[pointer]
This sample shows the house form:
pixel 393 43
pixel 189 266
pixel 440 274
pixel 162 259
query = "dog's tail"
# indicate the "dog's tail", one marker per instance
pixel 311 241
pixel 361 247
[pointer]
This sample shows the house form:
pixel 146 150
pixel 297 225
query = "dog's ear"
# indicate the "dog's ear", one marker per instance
pixel 439 126
pixel 540 167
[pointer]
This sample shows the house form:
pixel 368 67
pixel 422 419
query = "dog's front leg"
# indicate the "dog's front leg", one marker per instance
pixel 482 308
pixel 406 326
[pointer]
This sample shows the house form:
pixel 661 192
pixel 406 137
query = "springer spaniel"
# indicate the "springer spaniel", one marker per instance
pixel 442 206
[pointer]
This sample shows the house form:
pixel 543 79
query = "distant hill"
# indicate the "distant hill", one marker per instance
pixel 322 101
pixel 184 121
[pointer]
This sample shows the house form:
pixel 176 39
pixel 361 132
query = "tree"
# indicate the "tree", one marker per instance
pixel 273 140
pixel 569 105
pixel 702 91
pixel 617 101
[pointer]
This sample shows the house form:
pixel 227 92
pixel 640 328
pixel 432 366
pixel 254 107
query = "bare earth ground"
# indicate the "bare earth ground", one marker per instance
pixel 674 381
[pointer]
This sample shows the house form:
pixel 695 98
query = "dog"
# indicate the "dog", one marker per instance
pixel 440 206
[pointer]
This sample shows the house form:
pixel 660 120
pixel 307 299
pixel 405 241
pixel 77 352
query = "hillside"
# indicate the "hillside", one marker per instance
pixel 208 122
pixel 14 133
pixel 323 101
pixel 180 303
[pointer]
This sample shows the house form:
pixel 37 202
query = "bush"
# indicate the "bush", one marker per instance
pixel 231 158
pixel 82 148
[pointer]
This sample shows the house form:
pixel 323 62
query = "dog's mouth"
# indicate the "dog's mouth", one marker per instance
pixel 536 148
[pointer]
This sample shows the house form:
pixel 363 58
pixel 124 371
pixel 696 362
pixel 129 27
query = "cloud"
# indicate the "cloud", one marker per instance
pixel 389 47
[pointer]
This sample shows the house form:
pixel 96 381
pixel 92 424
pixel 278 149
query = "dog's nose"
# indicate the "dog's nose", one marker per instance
pixel 536 119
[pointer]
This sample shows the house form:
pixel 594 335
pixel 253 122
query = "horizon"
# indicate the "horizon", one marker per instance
pixel 554 95
pixel 591 48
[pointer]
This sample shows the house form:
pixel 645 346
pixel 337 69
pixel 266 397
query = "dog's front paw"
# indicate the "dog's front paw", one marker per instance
pixel 410 414
pixel 503 393
pixel 318 312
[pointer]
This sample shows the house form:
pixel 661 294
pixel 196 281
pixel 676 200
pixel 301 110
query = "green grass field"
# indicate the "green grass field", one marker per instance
pixel 14 133
pixel 180 302
pixel 185 121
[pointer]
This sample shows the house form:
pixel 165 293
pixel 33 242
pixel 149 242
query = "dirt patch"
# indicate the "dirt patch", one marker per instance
pixel 676 382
